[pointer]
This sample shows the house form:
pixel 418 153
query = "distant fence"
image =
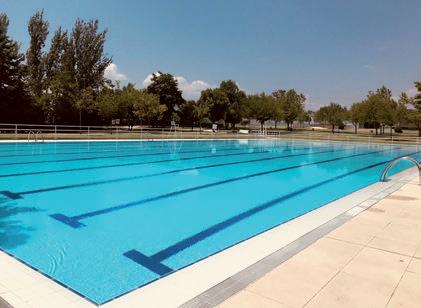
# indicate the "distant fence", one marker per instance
pixel 39 132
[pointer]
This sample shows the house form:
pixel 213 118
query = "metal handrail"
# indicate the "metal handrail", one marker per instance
pixel 39 133
pixel 29 135
pixel 395 161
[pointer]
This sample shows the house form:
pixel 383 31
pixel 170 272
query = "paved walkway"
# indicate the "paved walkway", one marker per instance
pixel 373 260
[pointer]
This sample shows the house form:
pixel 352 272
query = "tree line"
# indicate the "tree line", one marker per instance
pixel 377 111
pixel 66 85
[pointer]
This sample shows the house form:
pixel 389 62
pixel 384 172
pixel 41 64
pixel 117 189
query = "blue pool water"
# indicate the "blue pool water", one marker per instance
pixel 104 218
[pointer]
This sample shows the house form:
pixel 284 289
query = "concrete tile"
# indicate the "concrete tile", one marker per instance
pixel 327 252
pixel 11 298
pixel 246 299
pixel 358 231
pixel 401 232
pixel 293 283
pixel 415 266
pixel 393 245
pixel 418 253
pixel 408 292
pixel 378 266
pixel 3 289
pixel 346 290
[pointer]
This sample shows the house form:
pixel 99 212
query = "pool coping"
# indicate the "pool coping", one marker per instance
pixel 221 286
pixel 234 284
pixel 218 285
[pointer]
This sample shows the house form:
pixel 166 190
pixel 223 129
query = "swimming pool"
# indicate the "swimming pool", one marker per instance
pixel 104 218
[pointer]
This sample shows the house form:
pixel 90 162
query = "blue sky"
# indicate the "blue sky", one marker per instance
pixel 329 50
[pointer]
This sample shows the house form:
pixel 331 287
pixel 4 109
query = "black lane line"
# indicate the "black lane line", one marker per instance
pixel 106 150
pixel 148 162
pixel 113 156
pixel 117 144
pixel 74 222
pixel 19 195
pixel 153 262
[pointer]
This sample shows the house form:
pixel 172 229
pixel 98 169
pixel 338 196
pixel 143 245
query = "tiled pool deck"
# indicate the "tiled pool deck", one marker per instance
pixel 373 260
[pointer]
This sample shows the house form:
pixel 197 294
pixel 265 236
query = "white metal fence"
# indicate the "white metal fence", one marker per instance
pixel 39 132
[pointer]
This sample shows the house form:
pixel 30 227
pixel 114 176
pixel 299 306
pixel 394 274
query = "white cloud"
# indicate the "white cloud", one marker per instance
pixel 369 67
pixel 111 72
pixel 190 89
pixel 412 92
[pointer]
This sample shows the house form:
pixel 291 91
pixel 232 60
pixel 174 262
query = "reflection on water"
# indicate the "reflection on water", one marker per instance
pixel 12 232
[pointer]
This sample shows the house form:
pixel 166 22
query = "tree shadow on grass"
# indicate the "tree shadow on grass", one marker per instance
pixel 12 231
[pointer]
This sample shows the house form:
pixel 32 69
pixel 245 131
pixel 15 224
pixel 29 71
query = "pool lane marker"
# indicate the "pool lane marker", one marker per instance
pixel 19 195
pixel 110 149
pixel 154 262
pixel 159 161
pixel 132 163
pixel 74 222
pixel 112 156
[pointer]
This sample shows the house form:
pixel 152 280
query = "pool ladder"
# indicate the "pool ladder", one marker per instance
pixel 36 136
pixel 383 177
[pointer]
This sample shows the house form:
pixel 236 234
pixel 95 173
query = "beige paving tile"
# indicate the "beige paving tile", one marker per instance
pixel 378 266
pixel 378 214
pixel 3 289
pixel 401 232
pixel 293 283
pixel 346 290
pixel 415 266
pixel 11 298
pixel 418 253
pixel 246 299
pixel 359 231
pixel 393 245
pixel 408 293
pixel 327 252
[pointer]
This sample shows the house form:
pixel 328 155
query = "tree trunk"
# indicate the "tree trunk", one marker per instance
pixel 261 125
pixel 276 123
pixel 391 133
pixel 355 129
pixel 333 128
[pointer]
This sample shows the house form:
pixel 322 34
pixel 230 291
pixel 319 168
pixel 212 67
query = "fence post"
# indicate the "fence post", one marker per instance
pixel 16 131
pixel 55 132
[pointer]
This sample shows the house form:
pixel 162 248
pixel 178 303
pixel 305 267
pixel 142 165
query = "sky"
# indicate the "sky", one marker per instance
pixel 329 50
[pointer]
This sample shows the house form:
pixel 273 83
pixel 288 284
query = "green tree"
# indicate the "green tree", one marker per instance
pixel 402 108
pixel 236 98
pixel 15 104
pixel 279 96
pixel 333 114
pixel 304 117
pixel 38 31
pixel 217 102
pixel 165 86
pixel 147 107
pixel 201 111
pixel 376 108
pixel 260 107
pixel 292 105
pixel 356 116
pixel 187 114
pixel 414 114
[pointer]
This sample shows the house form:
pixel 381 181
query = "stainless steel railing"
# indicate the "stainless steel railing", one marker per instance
pixel 383 177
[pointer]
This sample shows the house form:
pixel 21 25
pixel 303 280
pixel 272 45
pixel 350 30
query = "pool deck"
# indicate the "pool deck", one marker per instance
pixel 372 260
